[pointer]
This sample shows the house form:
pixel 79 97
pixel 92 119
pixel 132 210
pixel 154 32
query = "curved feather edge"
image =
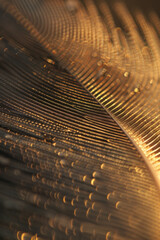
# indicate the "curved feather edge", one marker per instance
pixel 31 28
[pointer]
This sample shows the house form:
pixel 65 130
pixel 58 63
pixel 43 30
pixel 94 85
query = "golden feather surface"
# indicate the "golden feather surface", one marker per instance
pixel 79 120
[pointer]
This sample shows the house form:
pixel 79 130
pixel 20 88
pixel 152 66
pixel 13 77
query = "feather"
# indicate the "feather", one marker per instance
pixel 79 134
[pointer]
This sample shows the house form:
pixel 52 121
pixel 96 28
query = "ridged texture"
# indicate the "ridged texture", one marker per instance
pixel 111 64
pixel 79 121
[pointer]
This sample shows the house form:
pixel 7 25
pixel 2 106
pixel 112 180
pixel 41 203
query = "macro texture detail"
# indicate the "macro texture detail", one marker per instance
pixel 80 120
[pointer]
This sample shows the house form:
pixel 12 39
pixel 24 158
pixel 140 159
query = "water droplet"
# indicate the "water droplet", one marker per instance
pixel 19 235
pixel 126 74
pixel 96 174
pixel 93 181
pixel 86 203
pixel 63 163
pixel 151 81
pixel 108 196
pixel 90 196
pixel 109 76
pixel 50 61
pixel 75 212
pixel 88 211
pixel 136 90
pixel 26 236
pixel 102 165
pixel 84 178
pixel 108 235
pixel 54 51
pixel 73 202
pixel 64 199
pixel 118 204
pixel 99 63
